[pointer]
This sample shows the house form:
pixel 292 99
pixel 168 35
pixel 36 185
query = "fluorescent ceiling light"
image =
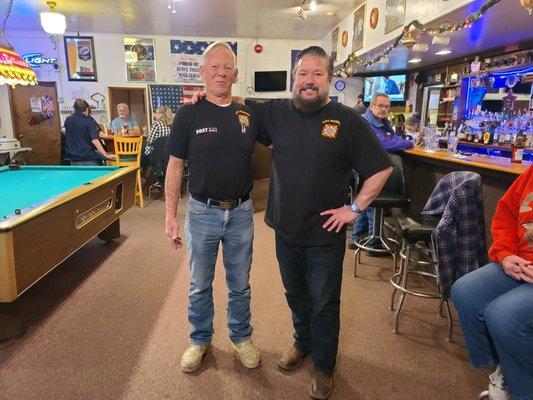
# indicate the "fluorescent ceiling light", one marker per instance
pixel 312 5
pixel 443 52
pixel 415 60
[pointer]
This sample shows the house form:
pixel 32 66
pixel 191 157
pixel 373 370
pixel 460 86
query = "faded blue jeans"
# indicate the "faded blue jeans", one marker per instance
pixel 363 225
pixel 496 315
pixel 205 228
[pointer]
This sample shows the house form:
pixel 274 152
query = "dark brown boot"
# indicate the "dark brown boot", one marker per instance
pixel 321 386
pixel 291 359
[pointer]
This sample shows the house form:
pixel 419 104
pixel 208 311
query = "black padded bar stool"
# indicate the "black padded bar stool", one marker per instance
pixel 416 233
pixel 393 195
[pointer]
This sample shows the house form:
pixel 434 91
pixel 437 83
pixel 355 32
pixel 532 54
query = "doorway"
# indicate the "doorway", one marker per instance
pixel 36 123
pixel 135 98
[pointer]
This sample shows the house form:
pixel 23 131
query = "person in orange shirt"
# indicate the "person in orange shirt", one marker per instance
pixel 495 302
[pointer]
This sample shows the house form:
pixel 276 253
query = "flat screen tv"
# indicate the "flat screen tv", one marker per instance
pixel 392 85
pixel 270 81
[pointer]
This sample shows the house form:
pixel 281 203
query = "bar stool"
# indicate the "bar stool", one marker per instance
pixel 416 233
pixel 393 195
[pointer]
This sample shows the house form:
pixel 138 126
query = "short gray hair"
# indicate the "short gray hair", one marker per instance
pixel 123 105
pixel 376 95
pixel 212 46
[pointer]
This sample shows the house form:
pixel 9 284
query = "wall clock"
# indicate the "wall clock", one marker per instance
pixel 340 85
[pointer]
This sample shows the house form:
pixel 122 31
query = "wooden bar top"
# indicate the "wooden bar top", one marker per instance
pixel 502 164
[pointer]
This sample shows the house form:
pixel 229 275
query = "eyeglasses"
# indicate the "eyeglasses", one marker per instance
pixel 382 106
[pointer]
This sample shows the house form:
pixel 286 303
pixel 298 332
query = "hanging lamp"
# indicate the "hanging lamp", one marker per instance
pixel 14 70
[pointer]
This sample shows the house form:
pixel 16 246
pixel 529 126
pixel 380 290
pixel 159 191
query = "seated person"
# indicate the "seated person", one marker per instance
pixel 154 153
pixel 495 302
pixel 414 131
pixel 377 117
pixel 124 122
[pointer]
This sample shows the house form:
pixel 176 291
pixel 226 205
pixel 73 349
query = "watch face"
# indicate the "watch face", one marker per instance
pixel 340 85
pixel 354 207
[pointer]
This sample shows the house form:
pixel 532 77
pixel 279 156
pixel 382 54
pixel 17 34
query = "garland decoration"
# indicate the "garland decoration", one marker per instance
pixel 346 67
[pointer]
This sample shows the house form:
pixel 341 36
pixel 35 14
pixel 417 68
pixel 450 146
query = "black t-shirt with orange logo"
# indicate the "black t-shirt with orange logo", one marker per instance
pixel 314 156
pixel 218 143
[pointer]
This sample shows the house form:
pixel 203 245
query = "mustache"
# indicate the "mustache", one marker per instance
pixel 308 86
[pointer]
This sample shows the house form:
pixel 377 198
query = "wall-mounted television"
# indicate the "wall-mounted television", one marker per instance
pixel 392 85
pixel 270 81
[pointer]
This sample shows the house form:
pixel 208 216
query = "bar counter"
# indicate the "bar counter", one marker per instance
pixel 423 169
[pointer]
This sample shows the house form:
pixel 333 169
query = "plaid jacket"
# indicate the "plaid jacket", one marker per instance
pixel 158 130
pixel 459 238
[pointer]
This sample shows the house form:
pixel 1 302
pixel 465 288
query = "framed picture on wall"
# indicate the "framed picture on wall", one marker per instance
pixel 139 54
pixel 81 61
pixel 394 14
pixel 358 28
pixel 334 43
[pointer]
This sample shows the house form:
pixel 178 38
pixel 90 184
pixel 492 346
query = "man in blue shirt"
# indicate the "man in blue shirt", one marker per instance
pixel 124 120
pixel 390 86
pixel 376 116
pixel 82 145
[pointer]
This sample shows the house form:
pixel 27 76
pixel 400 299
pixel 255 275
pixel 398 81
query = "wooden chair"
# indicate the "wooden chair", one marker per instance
pixel 128 153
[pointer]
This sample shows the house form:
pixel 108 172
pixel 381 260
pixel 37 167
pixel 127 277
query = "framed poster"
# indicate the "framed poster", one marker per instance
pixel 81 61
pixel 139 54
pixel 334 43
pixel 358 28
pixel 185 58
pixel 394 14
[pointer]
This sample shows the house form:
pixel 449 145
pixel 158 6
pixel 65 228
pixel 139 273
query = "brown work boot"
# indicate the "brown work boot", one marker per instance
pixel 291 359
pixel 321 385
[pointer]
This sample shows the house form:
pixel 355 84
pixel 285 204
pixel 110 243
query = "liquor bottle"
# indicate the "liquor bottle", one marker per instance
pixel 517 152
pixel 487 136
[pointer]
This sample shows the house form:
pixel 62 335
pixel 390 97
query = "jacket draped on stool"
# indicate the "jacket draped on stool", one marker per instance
pixel 459 238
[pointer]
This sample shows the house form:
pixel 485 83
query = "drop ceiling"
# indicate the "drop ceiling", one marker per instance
pixel 276 19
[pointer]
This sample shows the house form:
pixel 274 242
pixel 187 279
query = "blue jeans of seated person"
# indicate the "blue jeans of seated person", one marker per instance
pixel 364 226
pixel 312 277
pixel 496 315
pixel 205 228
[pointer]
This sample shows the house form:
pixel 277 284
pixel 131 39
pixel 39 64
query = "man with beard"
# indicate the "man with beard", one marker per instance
pixel 316 145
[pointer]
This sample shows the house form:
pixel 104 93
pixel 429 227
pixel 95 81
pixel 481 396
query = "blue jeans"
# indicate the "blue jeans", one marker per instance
pixel 312 277
pixel 206 227
pixel 496 315
pixel 363 224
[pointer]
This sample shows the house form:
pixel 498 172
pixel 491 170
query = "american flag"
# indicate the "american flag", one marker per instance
pixel 193 47
pixel 172 96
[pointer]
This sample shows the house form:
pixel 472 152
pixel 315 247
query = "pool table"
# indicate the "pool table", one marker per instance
pixel 48 212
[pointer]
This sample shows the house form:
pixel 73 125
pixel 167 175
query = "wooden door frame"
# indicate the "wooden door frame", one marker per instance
pixel 146 104
pixel 10 91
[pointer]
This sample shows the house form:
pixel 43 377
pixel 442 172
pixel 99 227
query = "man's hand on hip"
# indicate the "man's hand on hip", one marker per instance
pixel 338 218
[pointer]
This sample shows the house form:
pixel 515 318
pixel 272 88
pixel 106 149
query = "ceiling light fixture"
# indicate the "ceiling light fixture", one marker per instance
pixel 421 47
pixel 301 13
pixel 443 52
pixel 312 5
pixel 52 22
pixel 414 60
pixel 443 40
pixel 330 14
pixel 169 6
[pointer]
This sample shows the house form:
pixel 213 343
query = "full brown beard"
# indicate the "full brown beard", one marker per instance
pixel 309 105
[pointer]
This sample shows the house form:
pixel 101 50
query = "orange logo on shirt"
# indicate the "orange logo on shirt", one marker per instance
pixel 330 128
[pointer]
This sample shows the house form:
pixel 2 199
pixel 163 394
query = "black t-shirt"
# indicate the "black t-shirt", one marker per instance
pixel 313 160
pixel 218 143
pixel 80 132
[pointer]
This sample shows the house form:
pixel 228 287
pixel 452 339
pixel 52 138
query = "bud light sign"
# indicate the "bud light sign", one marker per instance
pixel 35 60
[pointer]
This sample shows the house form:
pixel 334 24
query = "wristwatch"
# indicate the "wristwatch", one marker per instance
pixel 355 208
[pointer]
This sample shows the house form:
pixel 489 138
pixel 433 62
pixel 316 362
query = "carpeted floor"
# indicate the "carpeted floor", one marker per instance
pixel 111 323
